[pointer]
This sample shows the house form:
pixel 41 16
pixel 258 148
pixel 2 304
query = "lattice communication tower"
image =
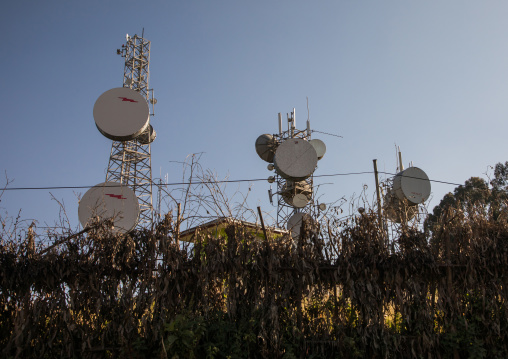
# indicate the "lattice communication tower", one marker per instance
pixel 293 156
pixel 284 210
pixel 130 161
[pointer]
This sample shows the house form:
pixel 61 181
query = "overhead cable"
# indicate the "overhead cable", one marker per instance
pixel 212 182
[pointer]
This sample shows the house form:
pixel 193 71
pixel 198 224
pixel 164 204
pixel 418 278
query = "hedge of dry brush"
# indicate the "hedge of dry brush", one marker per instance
pixel 349 295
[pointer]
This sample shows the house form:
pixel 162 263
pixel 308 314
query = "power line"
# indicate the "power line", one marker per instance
pixel 431 180
pixel 345 174
pixel 213 182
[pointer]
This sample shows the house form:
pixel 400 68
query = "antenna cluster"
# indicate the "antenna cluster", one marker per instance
pixel 123 115
pixel 405 192
pixel 293 155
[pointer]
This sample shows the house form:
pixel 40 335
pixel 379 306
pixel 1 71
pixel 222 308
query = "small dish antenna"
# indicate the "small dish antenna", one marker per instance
pixel 300 200
pixel 296 194
pixel 322 207
pixel 265 147
pixel 412 185
pixel 148 136
pixel 121 114
pixel 110 200
pixel 396 210
pixel 295 159
pixel 319 146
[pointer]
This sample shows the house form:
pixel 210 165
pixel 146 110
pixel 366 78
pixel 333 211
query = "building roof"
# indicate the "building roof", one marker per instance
pixel 218 225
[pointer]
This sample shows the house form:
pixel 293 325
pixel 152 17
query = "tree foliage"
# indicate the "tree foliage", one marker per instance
pixel 475 196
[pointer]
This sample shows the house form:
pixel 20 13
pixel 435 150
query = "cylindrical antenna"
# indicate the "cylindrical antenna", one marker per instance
pixel 293 123
pixel 308 118
pixel 400 161
pixel 289 125
pixel 159 195
pixel 280 124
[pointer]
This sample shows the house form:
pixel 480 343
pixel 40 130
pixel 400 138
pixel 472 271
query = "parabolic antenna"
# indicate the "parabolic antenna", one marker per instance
pixel 319 146
pixel 148 136
pixel 295 159
pixel 300 200
pixel 121 114
pixel 412 185
pixel 110 200
pixel 294 224
pixel 396 210
pixel 296 194
pixel 265 147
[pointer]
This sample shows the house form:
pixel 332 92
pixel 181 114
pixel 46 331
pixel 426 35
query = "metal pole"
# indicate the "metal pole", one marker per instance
pixel 400 161
pixel 378 198
pixel 262 223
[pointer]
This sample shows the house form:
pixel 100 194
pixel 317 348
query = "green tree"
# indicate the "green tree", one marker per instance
pixel 476 196
pixel 499 191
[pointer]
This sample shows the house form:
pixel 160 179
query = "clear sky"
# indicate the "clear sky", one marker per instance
pixel 430 76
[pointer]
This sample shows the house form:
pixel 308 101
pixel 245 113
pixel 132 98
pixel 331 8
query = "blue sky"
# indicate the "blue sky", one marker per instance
pixel 430 76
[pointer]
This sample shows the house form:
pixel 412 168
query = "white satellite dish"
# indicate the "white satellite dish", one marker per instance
pixel 412 185
pixel 294 224
pixel 319 146
pixel 110 200
pixel 121 114
pixel 300 200
pixel 265 147
pixel 295 159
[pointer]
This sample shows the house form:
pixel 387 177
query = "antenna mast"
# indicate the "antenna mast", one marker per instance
pixel 130 161
pixel 293 156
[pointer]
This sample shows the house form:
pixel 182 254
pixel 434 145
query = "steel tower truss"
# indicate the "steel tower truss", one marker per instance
pixel 130 161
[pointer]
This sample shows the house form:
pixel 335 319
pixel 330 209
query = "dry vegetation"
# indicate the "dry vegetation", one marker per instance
pixel 347 295
pixel 343 291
